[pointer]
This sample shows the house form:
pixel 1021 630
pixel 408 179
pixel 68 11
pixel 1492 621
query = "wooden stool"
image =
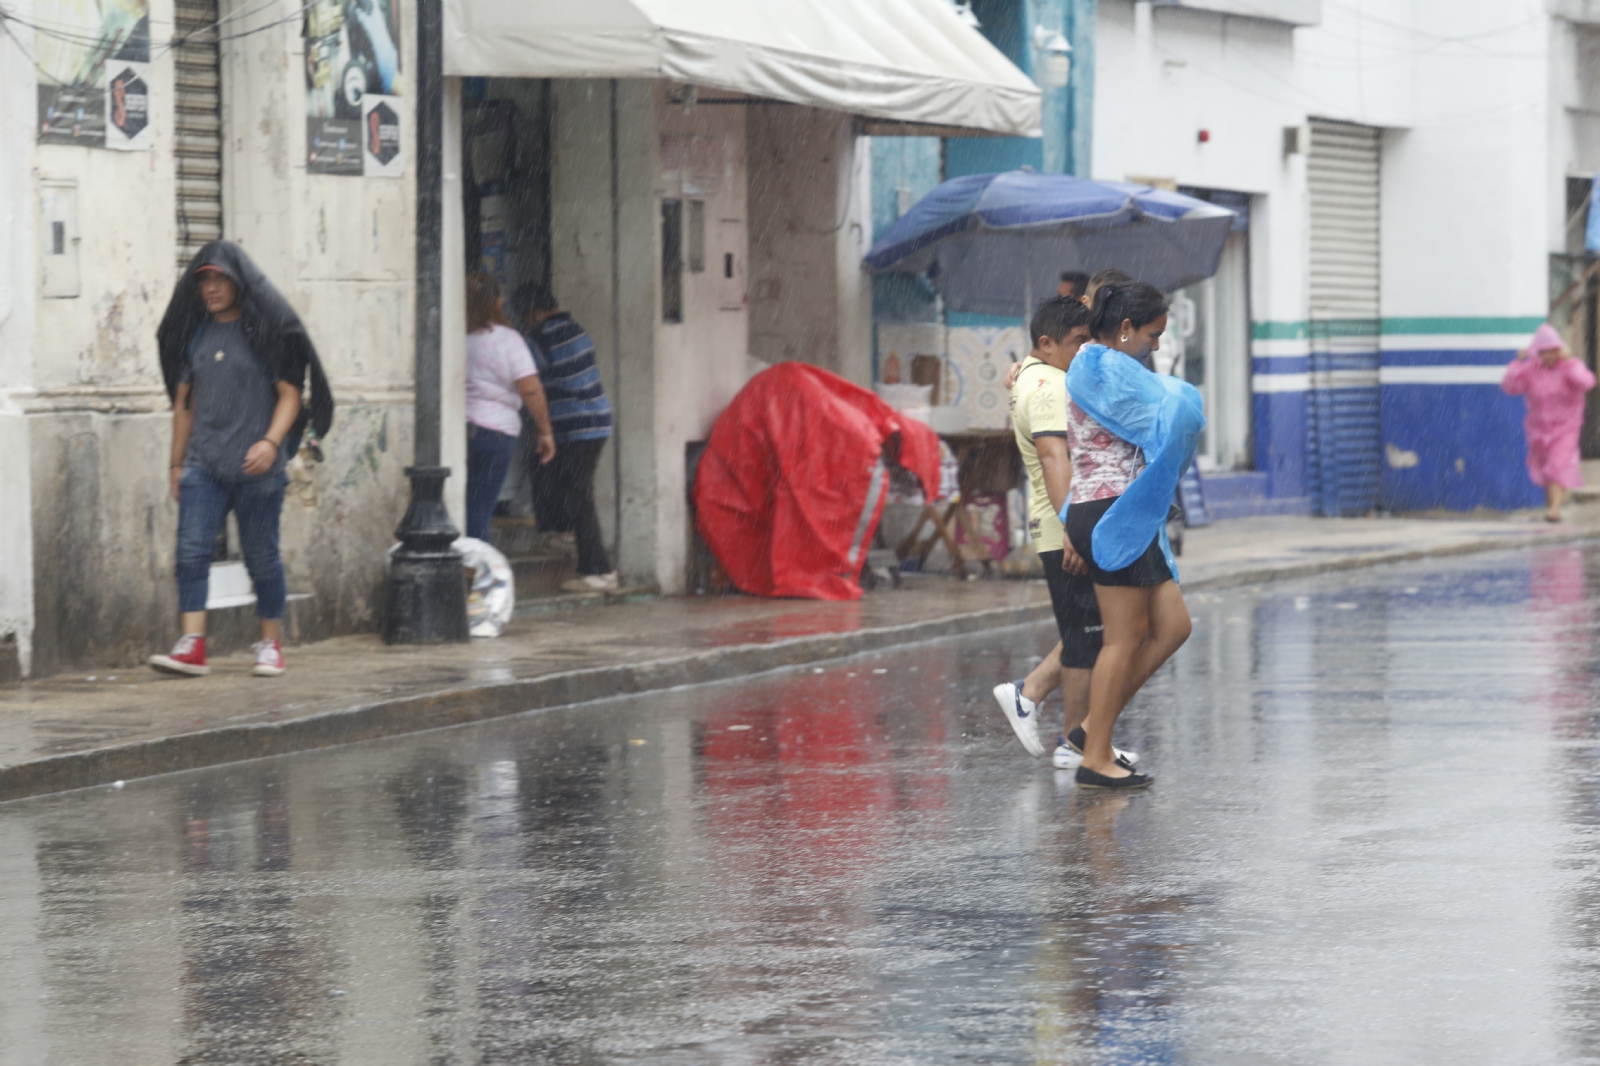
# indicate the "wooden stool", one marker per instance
pixel 943 530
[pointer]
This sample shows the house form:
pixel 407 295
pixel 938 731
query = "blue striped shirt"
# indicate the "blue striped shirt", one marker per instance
pixel 579 409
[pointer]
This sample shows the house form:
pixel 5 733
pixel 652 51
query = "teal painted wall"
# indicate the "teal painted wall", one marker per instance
pixel 913 164
pixel 920 163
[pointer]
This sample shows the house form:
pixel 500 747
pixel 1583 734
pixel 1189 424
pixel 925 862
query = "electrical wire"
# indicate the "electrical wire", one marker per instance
pixel 5 28
pixel 1363 16
pixel 89 43
pixel 1310 103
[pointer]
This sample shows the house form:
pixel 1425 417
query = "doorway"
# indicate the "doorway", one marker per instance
pixel 506 191
pixel 1208 345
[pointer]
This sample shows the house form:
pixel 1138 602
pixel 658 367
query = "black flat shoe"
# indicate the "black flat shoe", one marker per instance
pixel 1077 739
pixel 1088 778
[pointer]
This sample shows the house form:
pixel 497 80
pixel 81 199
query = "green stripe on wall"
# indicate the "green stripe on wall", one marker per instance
pixel 1418 326
pixel 1278 331
pixel 1433 326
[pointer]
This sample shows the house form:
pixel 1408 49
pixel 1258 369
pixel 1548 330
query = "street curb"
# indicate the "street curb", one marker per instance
pixel 1264 575
pixel 410 714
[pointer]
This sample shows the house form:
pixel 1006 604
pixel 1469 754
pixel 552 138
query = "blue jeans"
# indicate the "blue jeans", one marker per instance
pixel 203 506
pixel 488 459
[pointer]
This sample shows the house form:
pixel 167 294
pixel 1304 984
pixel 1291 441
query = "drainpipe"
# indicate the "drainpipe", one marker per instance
pixel 427 601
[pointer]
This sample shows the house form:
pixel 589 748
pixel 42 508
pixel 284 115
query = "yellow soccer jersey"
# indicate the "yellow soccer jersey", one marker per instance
pixel 1039 408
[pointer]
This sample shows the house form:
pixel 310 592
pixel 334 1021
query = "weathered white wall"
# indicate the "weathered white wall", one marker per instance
pixel 703 361
pixel 1470 189
pixel 98 426
pixel 615 297
pixel 343 251
pixel 18 113
pixel 1470 203
pixel 102 519
pixel 810 211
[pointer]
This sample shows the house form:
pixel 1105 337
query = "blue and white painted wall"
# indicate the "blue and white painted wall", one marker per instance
pixel 1450 438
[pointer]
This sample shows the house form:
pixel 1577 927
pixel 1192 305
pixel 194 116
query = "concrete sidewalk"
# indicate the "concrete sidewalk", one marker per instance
pixel 82 730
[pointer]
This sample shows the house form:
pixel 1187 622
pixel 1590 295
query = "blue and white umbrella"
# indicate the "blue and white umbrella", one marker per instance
pixel 992 243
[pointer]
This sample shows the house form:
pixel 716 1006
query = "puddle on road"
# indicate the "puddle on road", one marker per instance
pixel 1372 839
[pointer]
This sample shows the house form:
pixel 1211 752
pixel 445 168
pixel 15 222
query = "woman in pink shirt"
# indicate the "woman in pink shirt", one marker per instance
pixel 1553 384
pixel 501 380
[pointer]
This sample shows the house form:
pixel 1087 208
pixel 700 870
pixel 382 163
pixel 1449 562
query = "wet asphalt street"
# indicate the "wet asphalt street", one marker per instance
pixel 1373 838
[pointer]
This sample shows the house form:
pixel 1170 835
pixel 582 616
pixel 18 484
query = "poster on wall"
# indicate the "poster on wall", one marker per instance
pixel 352 53
pixel 128 107
pixel 333 146
pixel 380 137
pixel 80 46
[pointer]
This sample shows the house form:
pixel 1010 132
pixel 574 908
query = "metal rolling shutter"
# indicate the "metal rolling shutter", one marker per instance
pixel 1344 437
pixel 198 145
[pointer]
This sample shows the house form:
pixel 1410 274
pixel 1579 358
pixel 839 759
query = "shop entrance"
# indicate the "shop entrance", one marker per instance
pixel 505 157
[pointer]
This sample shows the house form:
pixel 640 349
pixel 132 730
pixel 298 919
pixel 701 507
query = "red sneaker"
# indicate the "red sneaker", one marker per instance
pixel 188 657
pixel 269 659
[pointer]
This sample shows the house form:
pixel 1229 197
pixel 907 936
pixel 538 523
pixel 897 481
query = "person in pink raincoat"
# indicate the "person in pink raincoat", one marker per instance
pixel 1552 383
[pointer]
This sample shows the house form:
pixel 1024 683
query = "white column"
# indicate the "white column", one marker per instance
pixel 453 317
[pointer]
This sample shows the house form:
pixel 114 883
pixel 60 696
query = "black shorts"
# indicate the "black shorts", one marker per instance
pixel 1149 569
pixel 1077 613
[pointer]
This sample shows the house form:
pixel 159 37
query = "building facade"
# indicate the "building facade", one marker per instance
pixel 1411 201
pixel 701 207
pixel 1405 189
pixel 227 145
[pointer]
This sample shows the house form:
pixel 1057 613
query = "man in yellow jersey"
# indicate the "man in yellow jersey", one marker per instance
pixel 1039 420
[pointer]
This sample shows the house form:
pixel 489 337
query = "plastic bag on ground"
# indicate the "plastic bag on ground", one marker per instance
pixel 493 596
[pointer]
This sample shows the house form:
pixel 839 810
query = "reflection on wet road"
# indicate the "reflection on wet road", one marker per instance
pixel 1373 838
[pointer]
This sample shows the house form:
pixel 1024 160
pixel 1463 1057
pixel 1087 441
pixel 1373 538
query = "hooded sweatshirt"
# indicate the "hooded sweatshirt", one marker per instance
pixel 270 326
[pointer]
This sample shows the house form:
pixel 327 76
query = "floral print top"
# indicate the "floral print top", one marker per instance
pixel 1103 464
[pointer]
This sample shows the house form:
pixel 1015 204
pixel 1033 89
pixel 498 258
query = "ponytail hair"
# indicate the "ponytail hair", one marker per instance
pixel 483 303
pixel 1133 301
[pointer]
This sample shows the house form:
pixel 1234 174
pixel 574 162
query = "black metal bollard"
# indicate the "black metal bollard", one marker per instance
pixel 427 589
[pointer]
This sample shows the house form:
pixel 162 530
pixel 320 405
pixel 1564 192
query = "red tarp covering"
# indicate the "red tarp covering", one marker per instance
pixel 789 490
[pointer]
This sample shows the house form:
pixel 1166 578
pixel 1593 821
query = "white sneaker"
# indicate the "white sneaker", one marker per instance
pixel 1064 758
pixel 269 659
pixel 1022 713
pixel 592 583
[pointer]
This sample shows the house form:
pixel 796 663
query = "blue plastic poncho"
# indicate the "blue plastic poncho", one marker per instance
pixel 1163 416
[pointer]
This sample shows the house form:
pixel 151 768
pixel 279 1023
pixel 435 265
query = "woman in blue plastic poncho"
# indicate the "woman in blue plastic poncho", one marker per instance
pixel 1131 432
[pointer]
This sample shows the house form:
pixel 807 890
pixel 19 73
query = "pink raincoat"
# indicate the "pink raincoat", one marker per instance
pixel 1554 396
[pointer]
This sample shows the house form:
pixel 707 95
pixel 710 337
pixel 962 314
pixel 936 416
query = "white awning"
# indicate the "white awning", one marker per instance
pixel 911 61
